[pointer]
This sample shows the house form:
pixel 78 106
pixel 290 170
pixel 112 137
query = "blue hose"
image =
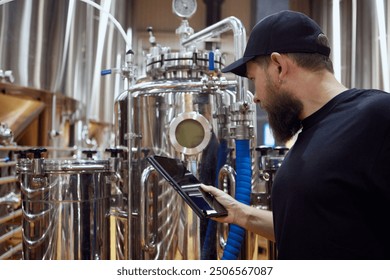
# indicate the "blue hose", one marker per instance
pixel 243 191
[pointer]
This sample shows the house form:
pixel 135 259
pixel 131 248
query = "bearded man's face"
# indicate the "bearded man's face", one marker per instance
pixel 283 112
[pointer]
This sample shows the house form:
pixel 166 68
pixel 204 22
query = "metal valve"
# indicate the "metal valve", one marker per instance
pixel 264 150
pixel 282 150
pixel 23 153
pixel 89 153
pixel 38 153
pixel 115 152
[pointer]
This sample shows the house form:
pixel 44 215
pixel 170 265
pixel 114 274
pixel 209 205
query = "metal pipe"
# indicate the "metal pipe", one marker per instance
pixel 112 18
pixel 230 23
pixel 60 76
pixel 129 137
pixel 129 76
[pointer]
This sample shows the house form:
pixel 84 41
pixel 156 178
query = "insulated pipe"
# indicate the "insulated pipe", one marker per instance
pixel 230 23
pixel 243 190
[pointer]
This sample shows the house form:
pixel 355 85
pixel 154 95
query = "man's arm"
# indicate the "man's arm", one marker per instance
pixel 255 220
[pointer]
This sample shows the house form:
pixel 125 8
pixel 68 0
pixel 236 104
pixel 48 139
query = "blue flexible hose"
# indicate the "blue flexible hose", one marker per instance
pixel 243 190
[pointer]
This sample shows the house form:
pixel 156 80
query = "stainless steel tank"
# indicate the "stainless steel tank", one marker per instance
pixel 182 108
pixel 171 117
pixel 61 46
pixel 66 207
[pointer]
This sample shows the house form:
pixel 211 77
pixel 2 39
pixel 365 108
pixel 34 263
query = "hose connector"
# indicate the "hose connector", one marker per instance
pixel 242 121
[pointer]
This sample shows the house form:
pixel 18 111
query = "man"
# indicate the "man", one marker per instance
pixel 331 196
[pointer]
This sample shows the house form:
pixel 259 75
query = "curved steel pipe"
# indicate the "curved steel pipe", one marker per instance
pixel 230 23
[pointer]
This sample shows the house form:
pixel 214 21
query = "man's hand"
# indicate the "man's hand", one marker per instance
pixel 226 200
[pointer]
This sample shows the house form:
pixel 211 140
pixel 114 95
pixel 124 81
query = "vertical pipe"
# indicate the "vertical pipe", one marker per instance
pixel 39 46
pixel 102 30
pixel 68 29
pixel 111 17
pixel 129 63
pixel 130 169
pixel 24 39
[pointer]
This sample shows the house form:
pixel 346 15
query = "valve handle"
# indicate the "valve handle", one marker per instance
pixel 23 154
pixel 115 151
pixel 37 152
pixel 264 150
pixel 89 153
pixel 281 149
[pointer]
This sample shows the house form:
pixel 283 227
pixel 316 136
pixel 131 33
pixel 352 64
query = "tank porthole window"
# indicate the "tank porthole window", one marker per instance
pixel 189 133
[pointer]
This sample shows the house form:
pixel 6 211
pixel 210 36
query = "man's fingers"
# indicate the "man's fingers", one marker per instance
pixel 207 188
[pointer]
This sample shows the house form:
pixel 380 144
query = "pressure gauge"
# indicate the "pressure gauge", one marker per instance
pixel 184 8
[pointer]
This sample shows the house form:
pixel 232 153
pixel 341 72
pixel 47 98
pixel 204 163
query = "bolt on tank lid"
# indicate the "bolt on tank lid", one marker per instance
pixel 196 63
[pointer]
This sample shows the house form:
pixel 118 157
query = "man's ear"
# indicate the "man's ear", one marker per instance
pixel 280 63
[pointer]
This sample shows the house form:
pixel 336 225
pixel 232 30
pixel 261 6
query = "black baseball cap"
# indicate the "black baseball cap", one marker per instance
pixel 283 32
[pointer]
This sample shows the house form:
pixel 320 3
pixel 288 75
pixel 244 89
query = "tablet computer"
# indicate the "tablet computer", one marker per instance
pixel 188 186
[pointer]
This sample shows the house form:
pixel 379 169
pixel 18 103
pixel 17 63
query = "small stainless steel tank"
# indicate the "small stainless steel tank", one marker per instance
pixel 66 207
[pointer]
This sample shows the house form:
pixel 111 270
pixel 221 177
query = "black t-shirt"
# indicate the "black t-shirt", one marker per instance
pixel 331 196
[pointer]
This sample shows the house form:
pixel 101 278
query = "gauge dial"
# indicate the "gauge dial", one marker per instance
pixel 184 8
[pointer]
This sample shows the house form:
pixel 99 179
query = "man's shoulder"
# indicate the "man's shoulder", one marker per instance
pixel 375 94
pixel 370 99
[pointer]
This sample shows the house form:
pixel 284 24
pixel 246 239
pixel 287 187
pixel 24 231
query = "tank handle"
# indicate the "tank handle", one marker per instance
pixel 226 173
pixel 148 240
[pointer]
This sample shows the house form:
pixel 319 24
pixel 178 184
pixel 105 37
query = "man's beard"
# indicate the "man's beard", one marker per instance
pixel 283 113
